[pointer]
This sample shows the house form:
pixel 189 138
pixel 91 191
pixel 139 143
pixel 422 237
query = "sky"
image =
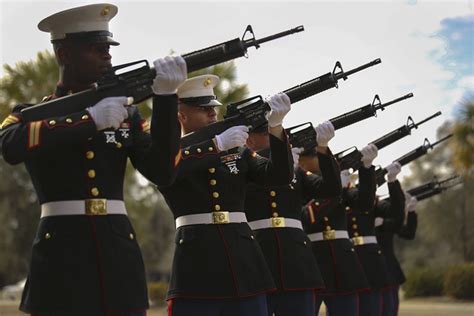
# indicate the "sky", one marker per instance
pixel 426 47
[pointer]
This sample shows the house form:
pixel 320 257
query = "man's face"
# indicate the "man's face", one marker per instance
pixel 258 141
pixel 87 61
pixel 194 117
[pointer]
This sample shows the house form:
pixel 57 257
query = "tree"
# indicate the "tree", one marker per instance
pixel 29 82
pixel 444 235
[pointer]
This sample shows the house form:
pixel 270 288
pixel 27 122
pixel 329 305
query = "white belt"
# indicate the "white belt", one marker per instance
pixel 363 240
pixel 329 235
pixel 211 218
pixel 275 222
pixel 89 207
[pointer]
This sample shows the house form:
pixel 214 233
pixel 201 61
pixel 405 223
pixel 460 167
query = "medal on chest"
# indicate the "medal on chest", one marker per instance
pixel 230 161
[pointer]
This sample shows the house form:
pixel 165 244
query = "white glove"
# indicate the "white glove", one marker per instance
pixel 345 178
pixel 295 152
pixel 378 221
pixel 392 170
pixel 280 105
pixel 109 112
pixel 235 136
pixel 369 153
pixel 171 72
pixel 324 133
pixel 411 204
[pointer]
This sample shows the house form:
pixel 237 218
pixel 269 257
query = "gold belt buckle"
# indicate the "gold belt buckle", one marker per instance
pixel 359 240
pixel 96 207
pixel 278 221
pixel 220 218
pixel 329 234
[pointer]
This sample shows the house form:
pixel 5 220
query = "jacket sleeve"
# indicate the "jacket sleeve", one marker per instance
pixel 156 150
pixel 408 231
pixel 397 203
pixel 21 141
pixel 326 185
pixel 367 188
pixel 275 171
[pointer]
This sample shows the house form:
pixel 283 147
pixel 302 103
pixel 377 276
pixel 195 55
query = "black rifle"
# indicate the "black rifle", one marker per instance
pixel 409 157
pixel 350 158
pixel 252 112
pixel 434 187
pixel 304 135
pixel 137 83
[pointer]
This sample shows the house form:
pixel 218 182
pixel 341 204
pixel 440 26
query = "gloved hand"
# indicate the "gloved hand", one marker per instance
pixel 378 221
pixel 109 112
pixel 411 204
pixel 235 136
pixel 345 178
pixel 324 133
pixel 369 153
pixel 393 170
pixel 171 72
pixel 295 152
pixel 280 105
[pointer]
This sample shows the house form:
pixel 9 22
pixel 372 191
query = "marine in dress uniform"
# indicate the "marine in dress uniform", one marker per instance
pixel 274 214
pixel 389 219
pixel 85 256
pixel 325 222
pixel 361 227
pixel 218 266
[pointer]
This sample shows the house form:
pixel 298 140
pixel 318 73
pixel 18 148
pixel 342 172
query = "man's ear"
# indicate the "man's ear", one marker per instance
pixel 181 117
pixel 63 55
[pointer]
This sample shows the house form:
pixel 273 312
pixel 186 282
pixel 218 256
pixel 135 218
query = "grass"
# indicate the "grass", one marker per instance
pixel 413 307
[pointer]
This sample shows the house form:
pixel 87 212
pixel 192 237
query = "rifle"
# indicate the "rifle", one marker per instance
pixel 350 158
pixel 409 157
pixel 304 135
pixel 252 111
pixel 432 188
pixel 137 82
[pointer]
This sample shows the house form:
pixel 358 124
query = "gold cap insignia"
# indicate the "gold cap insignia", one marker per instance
pixel 105 11
pixel 207 82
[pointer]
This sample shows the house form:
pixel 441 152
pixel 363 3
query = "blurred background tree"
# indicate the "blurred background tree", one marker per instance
pixel 445 232
pixel 29 82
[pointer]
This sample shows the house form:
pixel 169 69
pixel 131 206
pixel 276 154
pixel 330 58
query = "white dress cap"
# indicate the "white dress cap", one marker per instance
pixel 90 22
pixel 199 91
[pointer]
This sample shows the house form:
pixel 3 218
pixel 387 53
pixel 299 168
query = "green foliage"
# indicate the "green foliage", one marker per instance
pixel 157 292
pixel 444 235
pixel 459 281
pixel 28 82
pixel 424 282
pixel 463 144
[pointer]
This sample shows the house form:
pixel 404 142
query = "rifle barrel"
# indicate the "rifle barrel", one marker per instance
pixel 257 42
pixel 428 118
pixel 384 105
pixel 353 71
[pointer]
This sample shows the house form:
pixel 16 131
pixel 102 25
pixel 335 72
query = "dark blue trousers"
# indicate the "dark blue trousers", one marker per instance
pixel 292 303
pixel 251 306
pixel 370 303
pixel 339 305
pixel 390 301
